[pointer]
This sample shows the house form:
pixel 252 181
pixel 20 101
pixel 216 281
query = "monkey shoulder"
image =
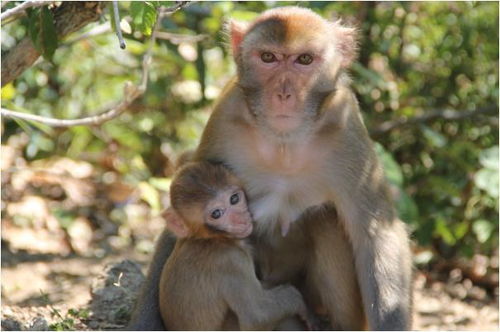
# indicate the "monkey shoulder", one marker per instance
pixel 220 254
pixel 230 110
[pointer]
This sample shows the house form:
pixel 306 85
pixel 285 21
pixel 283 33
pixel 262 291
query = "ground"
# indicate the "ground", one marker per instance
pixel 74 245
pixel 42 291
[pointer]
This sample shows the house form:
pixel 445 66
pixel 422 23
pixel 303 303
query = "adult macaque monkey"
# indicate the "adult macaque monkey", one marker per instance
pixel 209 281
pixel 290 128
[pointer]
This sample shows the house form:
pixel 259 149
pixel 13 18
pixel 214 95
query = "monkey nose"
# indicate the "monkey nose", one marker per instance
pixel 284 96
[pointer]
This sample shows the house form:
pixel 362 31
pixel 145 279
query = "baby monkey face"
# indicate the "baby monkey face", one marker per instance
pixel 228 213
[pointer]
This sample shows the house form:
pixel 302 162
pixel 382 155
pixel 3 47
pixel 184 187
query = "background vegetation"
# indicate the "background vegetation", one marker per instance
pixel 426 80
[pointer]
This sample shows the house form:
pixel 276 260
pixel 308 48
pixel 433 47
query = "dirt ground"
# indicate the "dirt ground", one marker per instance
pixel 42 291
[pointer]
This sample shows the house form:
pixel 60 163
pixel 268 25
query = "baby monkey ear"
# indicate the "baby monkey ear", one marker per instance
pixel 236 31
pixel 175 223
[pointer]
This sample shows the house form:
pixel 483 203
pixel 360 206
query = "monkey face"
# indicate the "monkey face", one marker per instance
pixel 288 61
pixel 228 213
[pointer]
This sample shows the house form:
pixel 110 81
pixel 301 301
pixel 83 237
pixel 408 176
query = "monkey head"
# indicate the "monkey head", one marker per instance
pixel 207 202
pixel 288 62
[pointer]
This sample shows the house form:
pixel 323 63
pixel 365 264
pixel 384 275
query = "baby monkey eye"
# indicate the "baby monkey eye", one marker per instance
pixel 267 57
pixel 235 198
pixel 216 214
pixel 305 59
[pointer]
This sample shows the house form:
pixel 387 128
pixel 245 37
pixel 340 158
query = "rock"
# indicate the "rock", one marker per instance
pixel 114 292
pixel 10 324
pixel 39 324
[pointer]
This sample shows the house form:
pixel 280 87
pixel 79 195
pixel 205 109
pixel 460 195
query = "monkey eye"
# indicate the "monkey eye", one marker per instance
pixel 267 57
pixel 305 59
pixel 216 214
pixel 235 198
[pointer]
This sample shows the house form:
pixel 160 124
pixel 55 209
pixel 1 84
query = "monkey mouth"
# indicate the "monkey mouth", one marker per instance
pixel 245 232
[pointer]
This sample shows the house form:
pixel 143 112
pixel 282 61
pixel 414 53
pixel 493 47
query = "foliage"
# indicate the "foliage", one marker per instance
pixel 42 31
pixel 415 57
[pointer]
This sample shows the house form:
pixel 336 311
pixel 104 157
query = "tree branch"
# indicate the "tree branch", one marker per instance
pixel 4 3
pixel 430 116
pixel 68 17
pixel 130 93
pixel 176 38
pixel 22 7
pixel 117 25
pixel 170 10
pixel 95 31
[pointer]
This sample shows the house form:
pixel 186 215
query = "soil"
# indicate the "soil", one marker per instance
pixel 41 292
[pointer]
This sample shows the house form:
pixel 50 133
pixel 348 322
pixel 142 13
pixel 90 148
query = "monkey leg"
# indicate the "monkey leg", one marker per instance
pixel 291 324
pixel 146 314
pixel 383 262
pixel 331 281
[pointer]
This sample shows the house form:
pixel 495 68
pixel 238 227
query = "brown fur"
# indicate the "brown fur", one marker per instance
pixel 329 158
pixel 211 285
pixel 209 281
pixel 296 156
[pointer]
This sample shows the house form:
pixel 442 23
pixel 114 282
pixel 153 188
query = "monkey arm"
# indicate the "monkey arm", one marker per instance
pixel 258 308
pixel 146 314
pixel 379 239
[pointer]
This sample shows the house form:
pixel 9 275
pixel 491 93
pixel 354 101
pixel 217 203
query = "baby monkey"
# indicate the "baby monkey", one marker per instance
pixel 209 281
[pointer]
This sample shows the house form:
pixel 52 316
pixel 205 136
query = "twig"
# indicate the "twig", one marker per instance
pixel 22 7
pixel 170 10
pixel 177 38
pixel 95 31
pixel 430 116
pixel 69 16
pixel 117 25
pixel 130 93
pixel 4 3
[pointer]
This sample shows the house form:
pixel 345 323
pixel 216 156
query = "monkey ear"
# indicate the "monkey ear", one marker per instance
pixel 175 223
pixel 237 31
pixel 346 42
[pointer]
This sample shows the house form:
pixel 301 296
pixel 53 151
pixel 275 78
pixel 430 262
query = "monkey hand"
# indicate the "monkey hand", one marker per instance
pixel 285 227
pixel 303 312
pixel 309 319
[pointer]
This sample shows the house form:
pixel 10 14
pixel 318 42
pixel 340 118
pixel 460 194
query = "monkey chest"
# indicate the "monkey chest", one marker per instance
pixel 281 180
pixel 275 198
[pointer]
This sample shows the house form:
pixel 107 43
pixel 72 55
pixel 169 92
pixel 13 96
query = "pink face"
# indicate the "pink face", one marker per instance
pixel 287 78
pixel 288 62
pixel 228 213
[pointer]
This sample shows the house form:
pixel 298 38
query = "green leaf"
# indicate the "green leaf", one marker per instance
pixel 34 26
pixel 143 16
pixel 461 229
pixel 83 137
pixel 149 19
pixel 487 179
pixel 436 139
pixel 407 208
pixel 48 34
pixel 444 232
pixel 161 183
pixel 482 229
pixel 124 135
pixel 489 158
pixel 42 31
pixel 371 76
pixel 150 195
pixel 423 257
pixel 8 92
pixel 136 10
pixel 243 15
pixel 391 167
